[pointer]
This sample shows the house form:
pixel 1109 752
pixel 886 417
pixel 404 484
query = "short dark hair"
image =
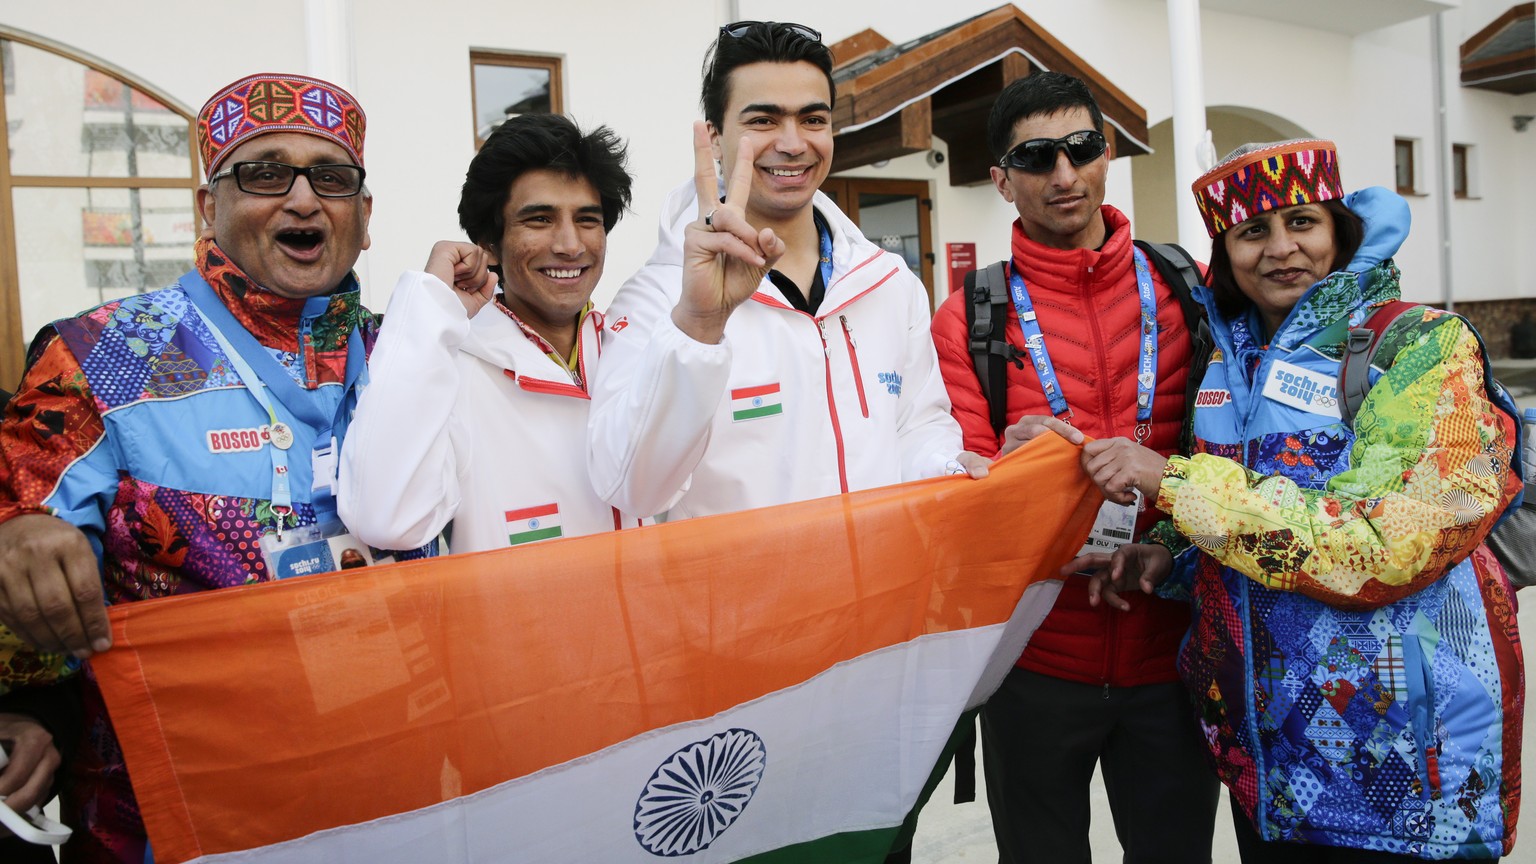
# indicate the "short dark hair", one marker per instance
pixel 530 142
pixel 1348 233
pixel 763 42
pixel 1039 93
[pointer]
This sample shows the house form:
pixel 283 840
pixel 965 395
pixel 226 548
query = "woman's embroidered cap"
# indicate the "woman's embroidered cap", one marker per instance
pixel 1259 177
pixel 268 102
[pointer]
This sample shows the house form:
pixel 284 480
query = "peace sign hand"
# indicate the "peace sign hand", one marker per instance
pixel 725 259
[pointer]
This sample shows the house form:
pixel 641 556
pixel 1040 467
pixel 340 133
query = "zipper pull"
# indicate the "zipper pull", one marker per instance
pixel 1106 691
pixel 848 331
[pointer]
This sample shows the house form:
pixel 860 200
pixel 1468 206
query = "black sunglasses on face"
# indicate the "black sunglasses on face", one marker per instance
pixel 276 178
pixel 740 29
pixel 1038 155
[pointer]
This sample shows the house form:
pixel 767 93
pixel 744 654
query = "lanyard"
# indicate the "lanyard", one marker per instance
pixel 247 356
pixel 1146 367
pixel 824 241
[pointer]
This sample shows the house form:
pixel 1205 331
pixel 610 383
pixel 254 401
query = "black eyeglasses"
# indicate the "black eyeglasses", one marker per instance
pixel 276 178
pixel 741 28
pixel 1038 155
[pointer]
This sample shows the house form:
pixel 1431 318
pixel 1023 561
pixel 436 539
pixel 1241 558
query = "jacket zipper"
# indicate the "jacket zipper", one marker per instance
pixel 853 357
pixel 837 428
pixel 307 353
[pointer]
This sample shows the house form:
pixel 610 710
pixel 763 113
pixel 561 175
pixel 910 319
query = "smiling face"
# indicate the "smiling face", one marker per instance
pixel 785 112
pixel 1059 208
pixel 294 245
pixel 551 251
pixel 1277 255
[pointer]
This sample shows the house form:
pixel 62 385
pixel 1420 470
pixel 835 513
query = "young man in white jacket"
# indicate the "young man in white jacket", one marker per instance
pixel 476 409
pixel 728 385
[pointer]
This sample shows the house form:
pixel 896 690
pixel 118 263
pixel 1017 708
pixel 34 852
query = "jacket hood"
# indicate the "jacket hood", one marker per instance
pixel 496 339
pixel 849 245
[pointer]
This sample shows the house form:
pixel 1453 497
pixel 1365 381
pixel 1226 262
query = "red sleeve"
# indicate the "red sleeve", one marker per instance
pixel 50 423
pixel 967 403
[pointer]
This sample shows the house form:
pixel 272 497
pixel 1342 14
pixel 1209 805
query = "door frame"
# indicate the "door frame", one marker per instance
pixel 846 190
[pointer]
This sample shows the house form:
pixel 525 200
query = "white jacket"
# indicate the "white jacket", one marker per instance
pixel 467 420
pixel 859 399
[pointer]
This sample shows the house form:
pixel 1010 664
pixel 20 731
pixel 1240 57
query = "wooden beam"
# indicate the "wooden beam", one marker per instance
pixel 860 44
pixel 909 131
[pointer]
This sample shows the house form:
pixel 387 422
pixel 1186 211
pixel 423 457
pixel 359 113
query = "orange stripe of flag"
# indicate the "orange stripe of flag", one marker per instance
pixel 531 512
pixel 259 714
pixel 749 392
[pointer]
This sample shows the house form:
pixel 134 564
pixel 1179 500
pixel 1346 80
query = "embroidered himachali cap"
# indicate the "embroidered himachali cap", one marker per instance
pixel 1256 178
pixel 268 102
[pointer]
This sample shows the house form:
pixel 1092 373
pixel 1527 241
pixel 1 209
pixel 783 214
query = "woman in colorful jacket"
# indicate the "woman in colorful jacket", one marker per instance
pixel 1353 653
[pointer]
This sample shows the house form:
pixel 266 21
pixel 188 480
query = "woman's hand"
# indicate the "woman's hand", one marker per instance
pixel 1120 467
pixel 1143 565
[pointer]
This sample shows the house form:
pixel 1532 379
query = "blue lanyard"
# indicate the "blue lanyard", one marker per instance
pixel 824 239
pixel 247 356
pixel 1040 358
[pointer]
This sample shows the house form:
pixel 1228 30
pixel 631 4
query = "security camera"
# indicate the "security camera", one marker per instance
pixel 935 158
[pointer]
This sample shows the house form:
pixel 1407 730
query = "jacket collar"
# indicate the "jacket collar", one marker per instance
pixel 1075 270
pixel 273 319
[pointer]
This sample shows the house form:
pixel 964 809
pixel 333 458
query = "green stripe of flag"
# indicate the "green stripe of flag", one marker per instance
pixel 872 847
pixel 530 536
pixel 754 413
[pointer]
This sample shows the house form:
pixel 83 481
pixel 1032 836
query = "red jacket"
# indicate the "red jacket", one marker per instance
pixel 1088 307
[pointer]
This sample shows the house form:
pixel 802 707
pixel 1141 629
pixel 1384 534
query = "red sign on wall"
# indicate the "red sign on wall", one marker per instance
pixel 962 260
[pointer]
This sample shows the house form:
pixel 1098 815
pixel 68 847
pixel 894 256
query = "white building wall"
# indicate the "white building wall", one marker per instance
pixel 637 70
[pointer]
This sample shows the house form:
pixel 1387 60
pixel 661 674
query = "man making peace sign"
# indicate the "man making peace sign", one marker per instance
pixel 768 352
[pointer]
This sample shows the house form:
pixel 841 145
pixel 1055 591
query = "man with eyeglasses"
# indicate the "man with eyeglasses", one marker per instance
pixel 186 439
pixel 1103 349
pixel 783 356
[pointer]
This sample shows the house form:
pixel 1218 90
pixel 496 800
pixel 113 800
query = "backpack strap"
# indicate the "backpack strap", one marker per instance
pixel 986 318
pixel 1359 354
pixel 1180 273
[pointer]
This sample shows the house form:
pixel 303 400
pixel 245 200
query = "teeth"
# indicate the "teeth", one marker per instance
pixel 786 172
pixel 563 274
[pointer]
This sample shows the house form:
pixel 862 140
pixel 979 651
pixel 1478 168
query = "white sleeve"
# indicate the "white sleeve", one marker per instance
pixel 404 450
pixel 654 399
pixel 929 434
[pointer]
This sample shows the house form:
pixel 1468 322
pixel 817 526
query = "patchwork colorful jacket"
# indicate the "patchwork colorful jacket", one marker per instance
pixel 1354 653
pixel 132 424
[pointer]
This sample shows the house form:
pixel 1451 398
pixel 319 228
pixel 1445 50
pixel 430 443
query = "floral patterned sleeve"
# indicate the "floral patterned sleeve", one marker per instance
pixel 1428 475
pixel 48 434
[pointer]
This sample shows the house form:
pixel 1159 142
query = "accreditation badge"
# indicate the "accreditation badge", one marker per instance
pixel 1113 528
pixel 319 548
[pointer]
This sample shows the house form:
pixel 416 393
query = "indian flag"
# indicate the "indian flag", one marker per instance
pixel 776 685
pixel 750 403
pixel 533 523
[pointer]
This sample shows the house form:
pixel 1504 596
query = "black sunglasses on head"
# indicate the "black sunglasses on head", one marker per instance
pixel 741 28
pixel 1038 155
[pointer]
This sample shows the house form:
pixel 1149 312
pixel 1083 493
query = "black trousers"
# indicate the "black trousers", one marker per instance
pixel 1041 738
pixel 1253 849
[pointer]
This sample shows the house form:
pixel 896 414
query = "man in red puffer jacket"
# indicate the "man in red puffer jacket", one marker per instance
pixel 1095 686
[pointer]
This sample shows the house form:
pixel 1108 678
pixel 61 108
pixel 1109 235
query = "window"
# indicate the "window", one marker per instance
pixel 1461 157
pixel 1405 150
pixel 506 85
pixel 97 189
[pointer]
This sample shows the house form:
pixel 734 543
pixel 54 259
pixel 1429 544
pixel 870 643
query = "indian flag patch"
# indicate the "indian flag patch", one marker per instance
pixel 750 403
pixel 533 523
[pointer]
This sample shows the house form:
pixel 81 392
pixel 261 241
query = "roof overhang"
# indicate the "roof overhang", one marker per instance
pixel 892 99
pixel 1351 17
pixel 1502 56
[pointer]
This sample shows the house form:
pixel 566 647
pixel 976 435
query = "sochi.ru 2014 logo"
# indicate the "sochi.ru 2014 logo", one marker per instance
pixel 699 792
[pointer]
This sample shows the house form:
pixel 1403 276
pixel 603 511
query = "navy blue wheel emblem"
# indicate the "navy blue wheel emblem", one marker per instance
pixel 698 792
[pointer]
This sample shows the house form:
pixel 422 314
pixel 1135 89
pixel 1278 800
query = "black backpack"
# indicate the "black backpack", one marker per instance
pixel 1513 539
pixel 986 319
